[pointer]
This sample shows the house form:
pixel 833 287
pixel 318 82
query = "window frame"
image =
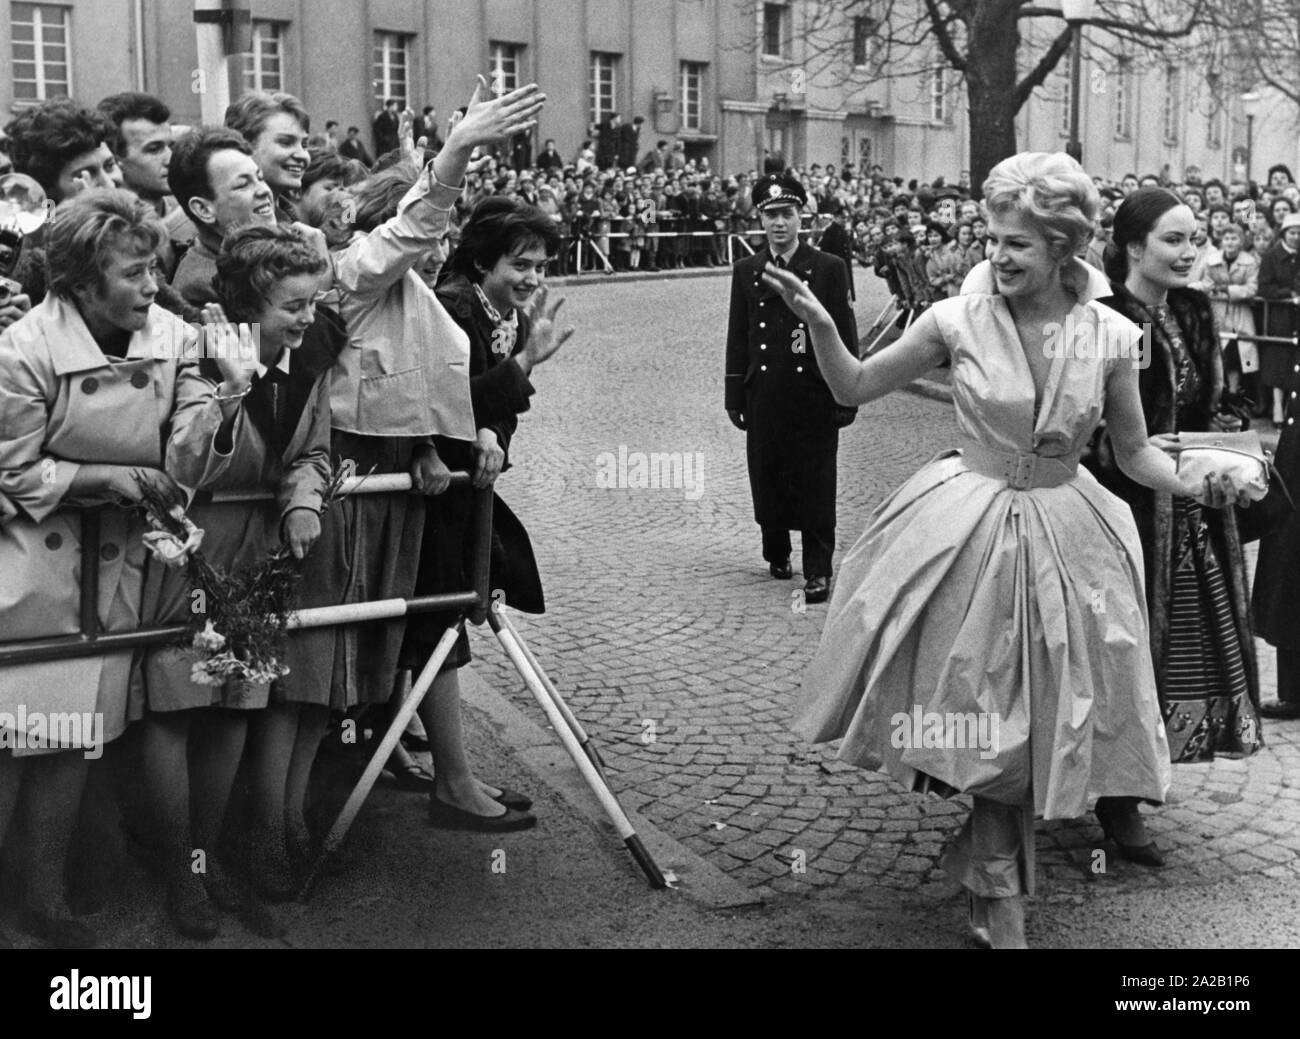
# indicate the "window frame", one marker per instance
pixel 1171 108
pixel 685 70
pixel 390 43
pixel 499 53
pixel 253 73
pixel 41 86
pixel 596 61
pixel 1122 102
pixel 782 21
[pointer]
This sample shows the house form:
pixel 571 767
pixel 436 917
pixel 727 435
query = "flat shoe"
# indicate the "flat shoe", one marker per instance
pixel 1143 854
pixel 412 777
pixel 1282 710
pixel 514 799
pixel 62 932
pixel 198 920
pixel 781 571
pixel 449 817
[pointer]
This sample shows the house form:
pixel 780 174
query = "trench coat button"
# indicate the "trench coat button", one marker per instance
pixel 140 380
pixel 108 553
pixel 89 384
pixel 53 542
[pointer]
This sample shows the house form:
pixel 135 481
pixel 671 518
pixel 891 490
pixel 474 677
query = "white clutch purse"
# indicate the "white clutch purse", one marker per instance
pixel 1239 456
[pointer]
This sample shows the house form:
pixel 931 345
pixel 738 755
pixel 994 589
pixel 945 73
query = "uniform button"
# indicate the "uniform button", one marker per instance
pixel 762 324
pixel 761 302
pixel 762 367
pixel 89 384
pixel 762 346
pixel 108 553
pixel 1297 367
pixel 140 380
pixel 53 542
pixel 798 369
pixel 1290 422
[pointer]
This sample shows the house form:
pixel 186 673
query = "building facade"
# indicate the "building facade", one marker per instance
pixel 736 80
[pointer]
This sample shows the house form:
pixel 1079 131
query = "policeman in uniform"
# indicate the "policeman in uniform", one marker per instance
pixel 776 394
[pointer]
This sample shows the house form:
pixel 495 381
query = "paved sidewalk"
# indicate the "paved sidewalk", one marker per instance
pixel 683 657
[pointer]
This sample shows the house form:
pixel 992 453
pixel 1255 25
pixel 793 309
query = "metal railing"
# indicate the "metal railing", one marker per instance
pixel 91 641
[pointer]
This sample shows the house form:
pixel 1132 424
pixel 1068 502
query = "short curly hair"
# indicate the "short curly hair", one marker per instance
pixel 47 137
pixel 253 259
pixel 85 231
pixel 1052 191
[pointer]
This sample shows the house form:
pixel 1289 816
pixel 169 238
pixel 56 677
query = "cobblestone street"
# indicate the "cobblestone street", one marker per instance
pixel 683 657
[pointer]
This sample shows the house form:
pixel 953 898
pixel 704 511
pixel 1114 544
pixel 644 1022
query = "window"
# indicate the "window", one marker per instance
pixel 1121 103
pixel 864 155
pixel 774 30
pixel 604 75
pixel 845 153
pixel 505 59
pixel 1171 112
pixel 1214 122
pixel 392 65
pixel 692 92
pixel 1065 103
pixel 40 52
pixel 937 89
pixel 865 41
pixel 263 68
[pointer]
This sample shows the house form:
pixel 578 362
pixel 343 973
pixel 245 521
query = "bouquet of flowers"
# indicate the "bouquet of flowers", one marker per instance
pixel 239 618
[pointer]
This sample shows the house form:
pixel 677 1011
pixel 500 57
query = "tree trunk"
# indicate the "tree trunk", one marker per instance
pixel 991 86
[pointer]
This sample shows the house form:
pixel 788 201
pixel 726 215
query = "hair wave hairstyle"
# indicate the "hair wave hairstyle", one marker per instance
pixel 1050 190
pixel 88 228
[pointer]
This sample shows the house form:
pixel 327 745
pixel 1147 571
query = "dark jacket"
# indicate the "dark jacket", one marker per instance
pixel 499 392
pixel 836 241
pixel 772 376
pixel 1279 278
pixel 628 143
pixel 1152 512
pixel 1277 573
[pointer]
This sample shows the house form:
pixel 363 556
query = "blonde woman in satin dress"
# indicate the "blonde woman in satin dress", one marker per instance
pixel 1001 583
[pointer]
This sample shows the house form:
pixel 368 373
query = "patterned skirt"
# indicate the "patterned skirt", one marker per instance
pixel 1205 697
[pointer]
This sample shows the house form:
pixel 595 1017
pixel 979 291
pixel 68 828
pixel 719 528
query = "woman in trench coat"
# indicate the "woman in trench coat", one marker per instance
pixel 87 383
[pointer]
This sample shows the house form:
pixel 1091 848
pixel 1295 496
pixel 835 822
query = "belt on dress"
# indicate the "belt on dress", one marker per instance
pixel 1022 470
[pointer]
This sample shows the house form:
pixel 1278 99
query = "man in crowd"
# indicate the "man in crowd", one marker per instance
pixel 352 147
pixel 607 144
pixel 215 181
pixel 427 127
pixel 64 148
pixel 549 159
pixel 387 121
pixel 776 394
pixel 629 142
pixel 142 145
pixel 653 161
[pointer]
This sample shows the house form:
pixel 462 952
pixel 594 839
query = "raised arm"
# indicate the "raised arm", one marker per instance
pixel 853 382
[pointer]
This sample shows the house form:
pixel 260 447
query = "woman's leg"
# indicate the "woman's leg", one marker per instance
pixel 271 737
pixel 313 720
pixel 167 799
pixel 218 746
pixel 453 775
pixel 993 858
pixel 51 796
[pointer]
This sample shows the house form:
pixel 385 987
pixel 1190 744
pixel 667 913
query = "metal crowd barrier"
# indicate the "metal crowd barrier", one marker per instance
pixel 475 605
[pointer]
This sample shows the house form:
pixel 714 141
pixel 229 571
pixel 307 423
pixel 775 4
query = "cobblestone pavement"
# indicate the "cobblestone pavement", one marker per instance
pixel 683 657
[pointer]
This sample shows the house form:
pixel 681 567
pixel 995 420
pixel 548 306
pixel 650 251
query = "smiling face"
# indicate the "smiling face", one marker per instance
pixel 280 152
pixel 964 236
pixel 125 291
pixel 1022 257
pixel 515 277
pixel 1231 244
pixel 1280 209
pixel 288 313
pixel 97 165
pixel 145 158
pixel 239 194
pixel 781 225
pixel 1165 259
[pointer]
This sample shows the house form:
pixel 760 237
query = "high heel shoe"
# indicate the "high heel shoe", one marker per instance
pixel 1109 814
pixel 977 919
pixel 1007 922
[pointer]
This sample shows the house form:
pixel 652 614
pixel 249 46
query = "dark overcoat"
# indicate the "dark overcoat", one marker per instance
pixel 1277 573
pixel 772 376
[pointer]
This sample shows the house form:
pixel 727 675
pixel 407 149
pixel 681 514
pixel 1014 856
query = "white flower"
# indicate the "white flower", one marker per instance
pixel 168 548
pixel 209 639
